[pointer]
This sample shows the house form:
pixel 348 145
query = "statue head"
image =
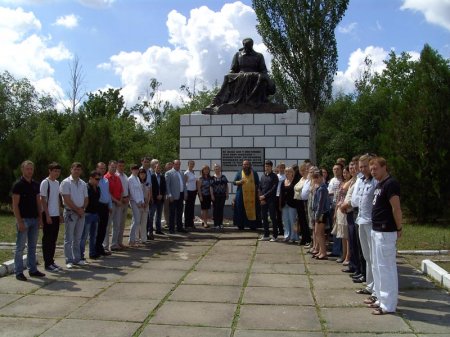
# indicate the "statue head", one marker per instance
pixel 248 44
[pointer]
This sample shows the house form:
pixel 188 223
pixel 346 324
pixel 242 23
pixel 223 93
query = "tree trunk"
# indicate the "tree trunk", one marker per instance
pixel 312 137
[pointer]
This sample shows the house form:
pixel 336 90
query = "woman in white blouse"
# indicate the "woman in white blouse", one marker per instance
pixel 136 203
pixel 191 187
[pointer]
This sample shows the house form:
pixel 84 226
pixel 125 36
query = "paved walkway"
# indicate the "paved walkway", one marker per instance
pixel 210 284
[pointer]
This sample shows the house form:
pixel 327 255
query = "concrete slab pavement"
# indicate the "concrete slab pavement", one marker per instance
pixel 218 284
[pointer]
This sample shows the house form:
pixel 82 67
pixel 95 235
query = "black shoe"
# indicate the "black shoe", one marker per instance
pixel 150 237
pixel 357 276
pixel 359 280
pixel 160 233
pixel 21 277
pixel 171 232
pixel 105 253
pixel 94 257
pixel 348 270
pixel 182 230
pixel 37 273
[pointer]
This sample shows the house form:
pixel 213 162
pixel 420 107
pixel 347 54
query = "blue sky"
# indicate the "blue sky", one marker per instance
pixel 124 43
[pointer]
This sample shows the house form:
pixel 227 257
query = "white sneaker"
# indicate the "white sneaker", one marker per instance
pixel 273 239
pixel 69 265
pixel 82 263
pixel 264 238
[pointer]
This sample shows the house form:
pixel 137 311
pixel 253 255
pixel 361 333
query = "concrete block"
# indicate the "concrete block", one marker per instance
pixel 190 131
pixel 184 120
pixel 303 142
pixel 220 119
pixel 185 142
pixel 202 162
pixel 303 118
pixel 264 141
pixel 210 130
pixel 297 153
pixel 289 117
pixel 275 130
pixel 201 142
pixel 297 130
pixel 188 154
pixel 446 281
pixel 242 141
pixel 286 141
pixel 231 130
pixel 275 153
pixel 221 142
pixel 210 154
pixel 254 130
pixel 264 119
pixel 200 119
pixel 433 270
pixel 246 119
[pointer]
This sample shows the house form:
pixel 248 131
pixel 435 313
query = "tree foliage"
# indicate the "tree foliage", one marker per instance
pixel 300 36
pixel 401 114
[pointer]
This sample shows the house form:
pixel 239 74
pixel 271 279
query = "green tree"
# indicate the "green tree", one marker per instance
pixel 300 36
pixel 416 137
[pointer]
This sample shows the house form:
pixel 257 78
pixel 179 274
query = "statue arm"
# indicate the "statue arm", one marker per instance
pixel 262 64
pixel 235 64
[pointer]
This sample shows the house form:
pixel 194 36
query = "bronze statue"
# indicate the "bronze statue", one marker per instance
pixel 247 87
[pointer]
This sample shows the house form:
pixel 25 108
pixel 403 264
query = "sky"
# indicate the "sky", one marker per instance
pixel 125 43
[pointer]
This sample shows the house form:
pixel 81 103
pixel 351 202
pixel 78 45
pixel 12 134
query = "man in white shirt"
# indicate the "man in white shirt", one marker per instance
pixel 136 202
pixel 49 190
pixel 75 199
pixel 118 241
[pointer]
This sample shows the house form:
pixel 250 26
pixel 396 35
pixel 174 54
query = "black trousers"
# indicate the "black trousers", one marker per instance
pixel 103 216
pixel 303 222
pixel 279 216
pixel 218 205
pixel 189 209
pixel 50 235
pixel 269 208
pixel 176 213
pixel 355 263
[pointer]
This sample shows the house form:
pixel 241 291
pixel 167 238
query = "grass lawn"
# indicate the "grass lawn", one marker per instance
pixel 424 236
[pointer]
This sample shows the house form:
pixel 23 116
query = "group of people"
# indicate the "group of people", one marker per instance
pixel 359 209
pixel 95 209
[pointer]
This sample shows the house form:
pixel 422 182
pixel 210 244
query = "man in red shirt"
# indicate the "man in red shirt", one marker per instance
pixel 115 189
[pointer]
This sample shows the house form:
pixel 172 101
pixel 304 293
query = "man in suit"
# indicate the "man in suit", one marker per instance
pixel 175 192
pixel 158 193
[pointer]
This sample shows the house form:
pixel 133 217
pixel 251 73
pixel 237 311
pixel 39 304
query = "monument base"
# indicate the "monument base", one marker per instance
pixel 227 139
pixel 245 108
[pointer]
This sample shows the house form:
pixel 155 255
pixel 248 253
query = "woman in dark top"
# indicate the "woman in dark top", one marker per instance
pixel 288 207
pixel 91 216
pixel 321 211
pixel 204 194
pixel 219 193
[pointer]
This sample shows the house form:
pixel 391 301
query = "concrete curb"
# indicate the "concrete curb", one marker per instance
pixel 424 252
pixel 437 273
pixel 8 267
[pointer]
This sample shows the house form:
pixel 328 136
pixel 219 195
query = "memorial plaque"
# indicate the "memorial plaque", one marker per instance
pixel 232 158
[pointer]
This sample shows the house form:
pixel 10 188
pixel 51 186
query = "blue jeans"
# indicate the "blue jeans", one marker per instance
pixel 31 233
pixel 156 207
pixel 290 222
pixel 74 226
pixel 90 228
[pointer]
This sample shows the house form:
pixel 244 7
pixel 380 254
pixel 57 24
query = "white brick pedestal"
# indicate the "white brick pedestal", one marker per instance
pixel 284 137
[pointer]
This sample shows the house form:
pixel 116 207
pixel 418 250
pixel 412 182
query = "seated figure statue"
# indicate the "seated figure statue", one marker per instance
pixel 247 87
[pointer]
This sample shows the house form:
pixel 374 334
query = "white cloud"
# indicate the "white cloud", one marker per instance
pixel 202 47
pixel 98 4
pixel 69 21
pixel 435 11
pixel 25 53
pixel 344 81
pixel 347 29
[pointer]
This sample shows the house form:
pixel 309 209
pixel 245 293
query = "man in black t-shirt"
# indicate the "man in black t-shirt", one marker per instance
pixel 386 229
pixel 26 206
pixel 268 184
